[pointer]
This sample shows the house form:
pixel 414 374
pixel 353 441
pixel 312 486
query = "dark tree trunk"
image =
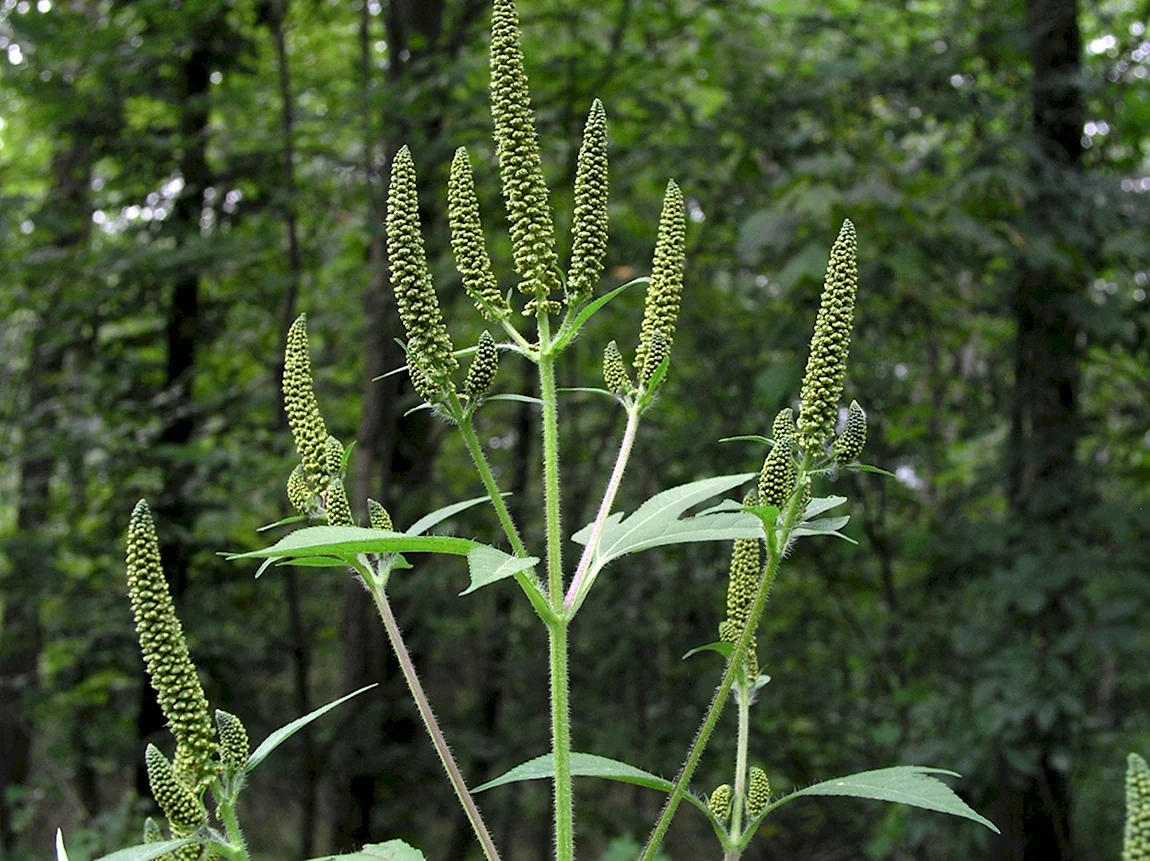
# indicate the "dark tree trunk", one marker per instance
pixel 1045 486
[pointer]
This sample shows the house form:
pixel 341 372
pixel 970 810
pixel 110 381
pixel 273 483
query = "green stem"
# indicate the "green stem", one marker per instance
pixel 424 706
pixel 743 695
pixel 556 628
pixel 227 814
pixel 782 535
pixel 480 460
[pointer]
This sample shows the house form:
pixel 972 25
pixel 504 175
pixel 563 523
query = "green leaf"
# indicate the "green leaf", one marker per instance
pixel 866 467
pixel 523 399
pixel 751 437
pixel 285 732
pixel 143 852
pixel 724 649
pixel 61 852
pixel 647 397
pixel 392 850
pixel 440 514
pixel 657 521
pixel 587 765
pixel 488 565
pixel 311 562
pixel 589 311
pixel 295 518
pixel 824 503
pixel 419 408
pixel 347 541
pixel 820 527
pixel 902 784
pixel 588 389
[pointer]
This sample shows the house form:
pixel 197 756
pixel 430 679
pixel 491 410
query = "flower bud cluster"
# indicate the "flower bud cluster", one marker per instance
pixel 467 241
pixel 589 226
pixel 665 289
pixel 1136 841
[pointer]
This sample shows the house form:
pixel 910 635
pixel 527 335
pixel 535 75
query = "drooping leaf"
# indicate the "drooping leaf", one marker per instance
pixel 488 565
pixel 724 649
pixel 142 852
pixel 392 850
pixel 749 437
pixel 440 514
pixel 346 541
pixel 285 732
pixel 902 784
pixel 523 399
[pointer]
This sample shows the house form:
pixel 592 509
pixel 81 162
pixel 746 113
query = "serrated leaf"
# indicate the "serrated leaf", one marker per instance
pixel 285 732
pixel 902 784
pixel 142 852
pixel 656 522
pixel 866 467
pixel 488 565
pixel 392 850
pixel 589 311
pixel 724 649
pixel 440 514
pixel 344 541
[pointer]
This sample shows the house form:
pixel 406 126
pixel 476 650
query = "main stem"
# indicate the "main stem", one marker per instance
pixel 782 537
pixel 556 628
pixel 437 739
pixel 227 814
pixel 573 597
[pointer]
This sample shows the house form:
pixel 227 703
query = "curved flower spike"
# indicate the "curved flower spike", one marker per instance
pixel 665 289
pixel 303 413
pixel 180 805
pixel 467 241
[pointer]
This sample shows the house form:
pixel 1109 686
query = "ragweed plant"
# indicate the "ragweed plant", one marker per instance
pixel 777 503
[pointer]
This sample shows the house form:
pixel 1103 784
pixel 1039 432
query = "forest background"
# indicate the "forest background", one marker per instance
pixel 180 178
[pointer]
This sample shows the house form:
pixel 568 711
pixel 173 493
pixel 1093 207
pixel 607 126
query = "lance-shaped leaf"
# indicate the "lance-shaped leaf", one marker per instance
pixel 285 732
pixel 392 850
pixel 349 541
pixel 440 514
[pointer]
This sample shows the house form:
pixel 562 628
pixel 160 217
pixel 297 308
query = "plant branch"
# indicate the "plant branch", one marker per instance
pixel 574 598
pixel 743 694
pixel 777 546
pixel 429 721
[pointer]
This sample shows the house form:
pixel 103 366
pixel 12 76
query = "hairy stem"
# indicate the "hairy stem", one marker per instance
pixel 574 598
pixel 743 695
pixel 782 537
pixel 551 467
pixel 429 721
pixel 561 743
pixel 227 814
pixel 484 469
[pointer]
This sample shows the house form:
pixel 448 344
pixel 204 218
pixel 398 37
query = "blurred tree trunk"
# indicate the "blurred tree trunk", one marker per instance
pixel 68 223
pixel 1045 486
pixel 175 511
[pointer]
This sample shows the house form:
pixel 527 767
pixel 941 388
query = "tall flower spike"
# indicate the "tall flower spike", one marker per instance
pixel 378 517
pixel 665 289
pixel 777 479
pixel 615 375
pixel 720 802
pixel 485 364
pixel 170 667
pixel 850 443
pixel 430 355
pixel 589 226
pixel 299 492
pixel 180 805
pixel 299 401
pixel 234 744
pixel 759 791
pixel 467 241
pixel 1136 841
pixel 520 165
pixel 830 345
pixel 338 508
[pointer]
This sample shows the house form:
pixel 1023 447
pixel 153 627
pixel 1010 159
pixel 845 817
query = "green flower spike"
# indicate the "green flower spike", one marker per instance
pixel 720 802
pixel 299 492
pixel 1136 842
pixel 430 356
pixel 665 288
pixel 658 351
pixel 483 368
pixel 152 832
pixel 378 516
pixel 830 345
pixel 520 166
pixel 783 425
pixel 589 227
pixel 299 401
pixel 759 792
pixel 615 375
pixel 234 745
pixel 180 805
pixel 746 565
pixel 777 479
pixel 467 241
pixel 850 443
pixel 170 667
pixel 333 455
pixel 338 508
